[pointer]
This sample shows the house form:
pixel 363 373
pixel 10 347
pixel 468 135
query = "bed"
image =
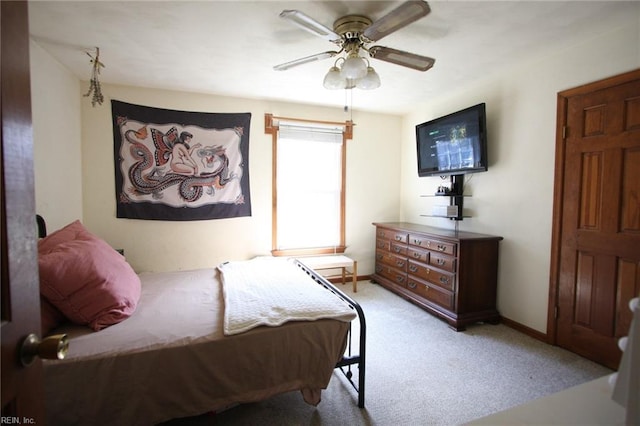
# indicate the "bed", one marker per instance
pixel 178 354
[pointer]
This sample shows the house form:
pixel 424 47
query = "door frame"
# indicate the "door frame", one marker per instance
pixel 22 385
pixel 558 190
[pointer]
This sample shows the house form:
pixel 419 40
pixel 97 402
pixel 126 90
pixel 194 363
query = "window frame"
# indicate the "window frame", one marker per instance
pixel 272 127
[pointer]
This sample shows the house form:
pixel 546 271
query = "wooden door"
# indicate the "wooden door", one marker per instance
pixel 596 237
pixel 20 307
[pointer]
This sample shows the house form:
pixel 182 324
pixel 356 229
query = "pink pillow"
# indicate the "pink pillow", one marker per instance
pixel 70 232
pixel 85 278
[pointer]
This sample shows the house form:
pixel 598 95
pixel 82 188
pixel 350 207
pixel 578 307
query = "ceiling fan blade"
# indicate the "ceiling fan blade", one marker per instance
pixel 307 23
pixel 305 60
pixel 400 17
pixel 399 57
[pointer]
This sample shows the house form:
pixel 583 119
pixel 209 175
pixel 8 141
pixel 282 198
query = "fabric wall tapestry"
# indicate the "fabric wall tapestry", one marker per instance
pixel 180 165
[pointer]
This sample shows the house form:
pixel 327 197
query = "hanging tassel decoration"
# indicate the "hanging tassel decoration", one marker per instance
pixel 94 83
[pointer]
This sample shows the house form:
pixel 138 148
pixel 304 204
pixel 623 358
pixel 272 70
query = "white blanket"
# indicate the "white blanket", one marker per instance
pixel 271 291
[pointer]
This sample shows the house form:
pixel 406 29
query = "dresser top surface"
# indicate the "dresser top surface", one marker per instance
pixel 441 232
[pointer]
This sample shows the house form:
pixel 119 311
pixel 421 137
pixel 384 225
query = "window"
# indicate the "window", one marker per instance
pixel 308 185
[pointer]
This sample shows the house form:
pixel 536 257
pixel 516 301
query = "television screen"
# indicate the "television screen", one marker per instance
pixel 453 144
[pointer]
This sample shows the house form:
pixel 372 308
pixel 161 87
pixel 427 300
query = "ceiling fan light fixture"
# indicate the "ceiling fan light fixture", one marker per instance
pixel 353 34
pixel 370 81
pixel 354 67
pixel 333 80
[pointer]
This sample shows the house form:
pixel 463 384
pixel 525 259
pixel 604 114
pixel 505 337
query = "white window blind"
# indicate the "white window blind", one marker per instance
pixel 309 186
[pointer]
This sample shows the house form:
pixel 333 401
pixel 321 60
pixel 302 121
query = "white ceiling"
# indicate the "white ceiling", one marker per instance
pixel 230 47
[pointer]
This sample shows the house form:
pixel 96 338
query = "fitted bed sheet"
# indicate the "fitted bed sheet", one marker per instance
pixel 171 359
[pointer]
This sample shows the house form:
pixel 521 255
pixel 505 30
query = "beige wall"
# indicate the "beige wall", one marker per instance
pixel 57 158
pixel 514 199
pixel 159 245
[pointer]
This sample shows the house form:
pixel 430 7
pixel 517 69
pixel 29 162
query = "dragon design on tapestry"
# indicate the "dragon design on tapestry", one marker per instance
pixel 173 164
pixel 180 165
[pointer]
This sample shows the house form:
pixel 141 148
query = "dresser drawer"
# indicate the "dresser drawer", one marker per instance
pixel 383 244
pixel 395 275
pixel 442 261
pixel 399 249
pixel 432 293
pixel 395 261
pixel 418 255
pixel 387 234
pixel 431 244
pixel 442 279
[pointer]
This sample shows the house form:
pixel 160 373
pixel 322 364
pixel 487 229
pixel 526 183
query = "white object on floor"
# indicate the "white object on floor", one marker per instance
pixel 627 384
pixel 586 404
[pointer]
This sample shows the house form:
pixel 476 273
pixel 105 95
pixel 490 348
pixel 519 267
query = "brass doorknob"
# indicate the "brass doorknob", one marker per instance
pixel 51 347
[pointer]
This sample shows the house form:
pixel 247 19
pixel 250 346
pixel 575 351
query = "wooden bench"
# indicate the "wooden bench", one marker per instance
pixel 334 262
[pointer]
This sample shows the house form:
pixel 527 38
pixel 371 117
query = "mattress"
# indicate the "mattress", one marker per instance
pixel 171 358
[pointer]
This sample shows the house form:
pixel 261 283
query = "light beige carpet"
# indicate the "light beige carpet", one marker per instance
pixel 420 372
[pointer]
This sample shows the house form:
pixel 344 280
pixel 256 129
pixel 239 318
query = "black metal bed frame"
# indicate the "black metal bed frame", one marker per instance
pixel 42 226
pixel 349 358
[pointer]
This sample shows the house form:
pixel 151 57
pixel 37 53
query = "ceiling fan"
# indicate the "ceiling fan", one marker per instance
pixel 353 34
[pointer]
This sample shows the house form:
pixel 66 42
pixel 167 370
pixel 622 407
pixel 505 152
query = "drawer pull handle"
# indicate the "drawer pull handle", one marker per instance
pixel 417 242
pixel 441 261
pixel 444 280
pixel 416 255
pixel 398 238
pixel 411 284
pixel 400 263
pixel 397 249
pixel 413 268
pixel 441 247
pixel 400 278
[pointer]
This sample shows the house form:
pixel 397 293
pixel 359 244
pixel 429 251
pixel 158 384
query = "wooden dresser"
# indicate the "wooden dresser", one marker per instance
pixel 452 275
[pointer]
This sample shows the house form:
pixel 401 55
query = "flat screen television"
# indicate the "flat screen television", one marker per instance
pixel 453 144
